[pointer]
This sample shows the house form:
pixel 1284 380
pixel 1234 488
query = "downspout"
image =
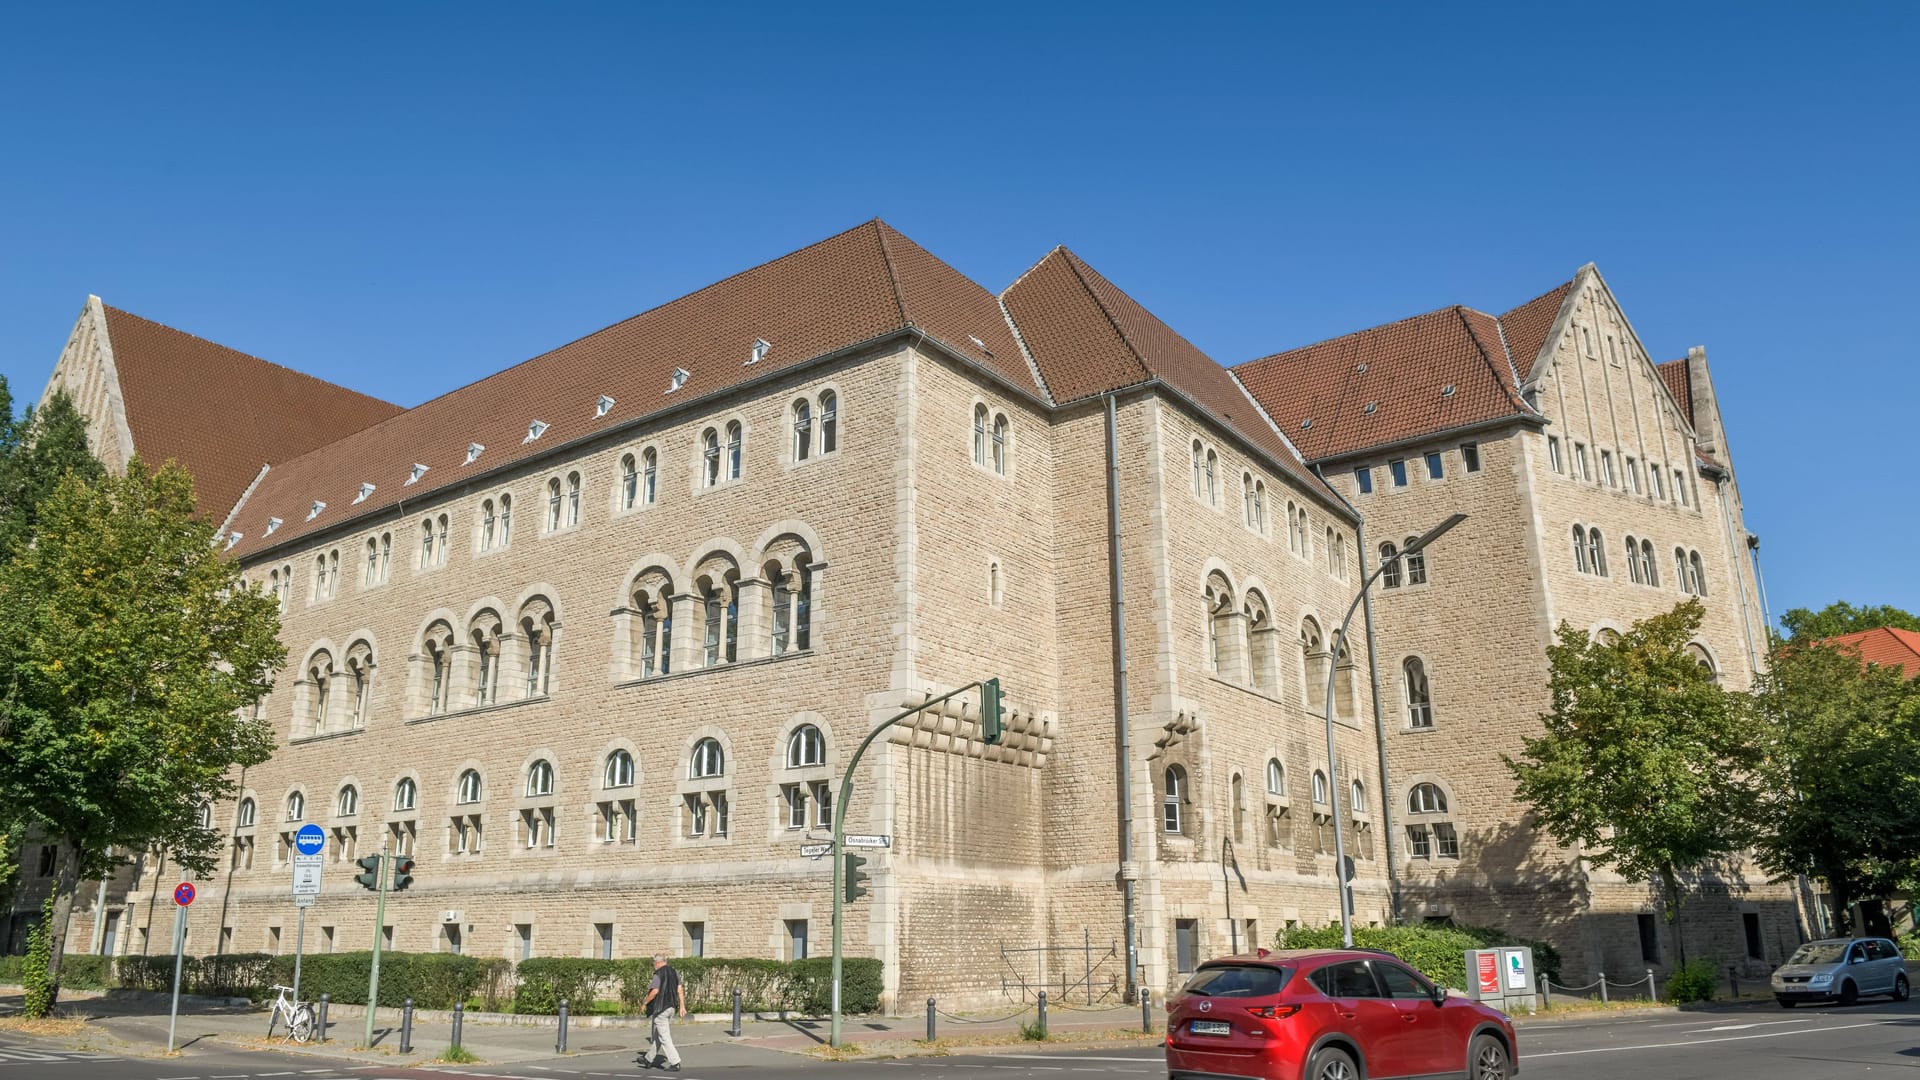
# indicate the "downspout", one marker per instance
pixel 1739 585
pixel 1123 750
pixel 1379 721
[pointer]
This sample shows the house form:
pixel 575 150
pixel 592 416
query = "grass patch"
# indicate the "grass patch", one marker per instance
pixel 845 1052
pixel 1033 1031
pixel 51 1027
pixel 458 1055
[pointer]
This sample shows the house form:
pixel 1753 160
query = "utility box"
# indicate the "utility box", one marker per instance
pixel 1503 977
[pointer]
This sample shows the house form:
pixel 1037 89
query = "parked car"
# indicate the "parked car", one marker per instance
pixel 1329 1015
pixel 1841 969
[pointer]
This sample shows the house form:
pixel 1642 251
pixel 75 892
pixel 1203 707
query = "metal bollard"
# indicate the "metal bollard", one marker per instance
pixel 560 1039
pixel 1043 1014
pixel 931 1031
pixel 459 1017
pixel 737 1030
pixel 1603 988
pixel 1652 993
pixel 1733 980
pixel 406 1026
pixel 320 1021
pixel 1546 992
pixel 1146 1011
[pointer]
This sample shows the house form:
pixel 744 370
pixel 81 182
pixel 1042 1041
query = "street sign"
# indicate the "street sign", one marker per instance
pixel 310 840
pixel 306 875
pixel 814 851
pixel 183 893
pixel 305 901
pixel 867 840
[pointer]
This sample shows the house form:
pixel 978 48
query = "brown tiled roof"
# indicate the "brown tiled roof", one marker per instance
pixel 1088 337
pixel 862 285
pixel 1320 394
pixel 1887 646
pixel 1528 325
pixel 1674 374
pixel 221 413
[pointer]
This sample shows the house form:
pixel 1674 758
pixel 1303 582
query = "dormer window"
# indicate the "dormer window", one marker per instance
pixel 680 378
pixel 365 490
pixel 474 450
pixel 314 511
pixel 760 350
pixel 603 406
pixel 414 474
pixel 538 428
pixel 232 539
pixel 272 524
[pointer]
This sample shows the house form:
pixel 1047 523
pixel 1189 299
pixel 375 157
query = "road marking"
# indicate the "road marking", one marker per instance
pixel 1056 1057
pixel 1764 1023
pixel 1703 1042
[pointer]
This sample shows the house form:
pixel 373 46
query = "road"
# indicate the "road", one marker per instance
pixel 1828 1043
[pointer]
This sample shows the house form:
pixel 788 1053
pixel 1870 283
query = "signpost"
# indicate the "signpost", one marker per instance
pixel 182 899
pixel 308 845
pixel 382 864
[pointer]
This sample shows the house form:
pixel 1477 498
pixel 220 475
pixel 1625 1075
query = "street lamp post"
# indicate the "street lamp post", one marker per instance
pixel 1337 643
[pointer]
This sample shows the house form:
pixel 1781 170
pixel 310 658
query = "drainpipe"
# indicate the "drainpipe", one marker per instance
pixel 1123 751
pixel 1379 721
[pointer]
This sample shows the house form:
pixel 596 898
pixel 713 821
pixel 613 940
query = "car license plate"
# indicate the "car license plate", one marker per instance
pixel 1210 1027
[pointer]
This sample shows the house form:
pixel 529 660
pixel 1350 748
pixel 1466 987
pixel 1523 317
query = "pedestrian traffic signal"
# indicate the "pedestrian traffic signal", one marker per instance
pixel 402 874
pixel 992 718
pixel 854 877
pixel 369 875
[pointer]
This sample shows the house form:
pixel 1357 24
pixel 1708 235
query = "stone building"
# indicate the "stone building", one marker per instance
pixel 591 638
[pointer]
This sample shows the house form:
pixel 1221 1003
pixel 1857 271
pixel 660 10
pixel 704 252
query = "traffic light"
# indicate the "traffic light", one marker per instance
pixel 402 874
pixel 369 875
pixel 854 877
pixel 992 718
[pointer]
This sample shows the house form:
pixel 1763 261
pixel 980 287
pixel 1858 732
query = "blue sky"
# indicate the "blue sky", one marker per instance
pixel 403 198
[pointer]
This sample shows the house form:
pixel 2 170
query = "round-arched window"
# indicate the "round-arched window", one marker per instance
pixel 469 789
pixel 1276 777
pixel 244 816
pixel 540 778
pixel 1319 786
pixel 708 760
pixel 806 746
pixel 347 802
pixel 619 770
pixel 1426 799
pixel 405 794
pixel 296 806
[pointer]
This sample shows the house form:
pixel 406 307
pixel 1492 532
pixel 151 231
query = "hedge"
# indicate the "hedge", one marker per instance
pixel 432 980
pixel 800 986
pixel 1438 952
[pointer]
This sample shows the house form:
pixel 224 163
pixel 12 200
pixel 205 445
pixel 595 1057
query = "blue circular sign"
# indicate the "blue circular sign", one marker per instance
pixel 310 839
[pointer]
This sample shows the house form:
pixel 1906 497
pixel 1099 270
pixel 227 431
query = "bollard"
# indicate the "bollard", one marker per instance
pixel 1146 1011
pixel 930 1027
pixel 320 1021
pixel 406 1026
pixel 459 1015
pixel 560 1039
pixel 1652 993
pixel 736 1014
pixel 1733 980
pixel 1603 988
pixel 1546 992
pixel 1043 1014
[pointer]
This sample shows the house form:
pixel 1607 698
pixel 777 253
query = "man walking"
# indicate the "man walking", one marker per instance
pixel 665 996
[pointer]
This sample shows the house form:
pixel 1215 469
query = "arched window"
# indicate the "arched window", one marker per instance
pixel 629 482
pixel 1699 574
pixel 1173 801
pixel 1000 444
pixel 1680 569
pixel 372 575
pixel 1416 564
pixel 1213 477
pixel 244 815
pixel 720 604
pixel 1319 787
pixel 1276 777
pixel 1390 566
pixel 1340 556
pixel 806 746
pixel 649 475
pixel 386 557
pixel 1700 656
pixel 553 505
pixel 708 760
pixel 980 435
pixel 347 802
pixel 426 544
pixel 710 454
pixel 1331 566
pixel 1246 498
pixel 469 788
pixel 829 422
pixel 1580 549
pixel 1199 471
pixel 1426 799
pixel 735 437
pixel 1259 643
pixel 1296 528
pixel 1597 552
pixel 1219 600
pixel 406 794
pixel 536 627
pixel 441 674
pixel 484 633
pixel 440 540
pixel 1357 797
pixel 204 815
pixel 618 772
pixel 653 601
pixel 1315 661
pixel 296 806
pixel 802 430
pixel 320 679
pixel 573 498
pixel 1648 564
pixel 1237 791
pixel 1633 560
pixel 540 778
pixel 360 670
pixel 1260 507
pixel 1418 695
pixel 995 590
pixel 487 525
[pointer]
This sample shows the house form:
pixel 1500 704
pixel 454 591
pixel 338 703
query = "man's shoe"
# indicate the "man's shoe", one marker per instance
pixel 675 1067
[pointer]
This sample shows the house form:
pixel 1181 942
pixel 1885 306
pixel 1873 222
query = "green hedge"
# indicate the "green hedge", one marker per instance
pixel 1438 952
pixel 432 980
pixel 1695 980
pixel 801 986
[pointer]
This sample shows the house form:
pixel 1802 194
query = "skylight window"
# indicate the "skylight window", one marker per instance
pixel 760 350
pixel 414 474
pixel 1372 406
pixel 602 406
pixel 314 510
pixel 365 490
pixel 1447 390
pixel 537 429
pixel 272 524
pixel 680 378
pixel 474 450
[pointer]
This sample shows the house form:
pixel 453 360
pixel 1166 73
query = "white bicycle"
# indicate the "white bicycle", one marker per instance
pixel 297 1015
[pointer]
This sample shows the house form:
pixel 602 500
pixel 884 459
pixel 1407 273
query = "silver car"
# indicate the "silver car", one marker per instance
pixel 1841 969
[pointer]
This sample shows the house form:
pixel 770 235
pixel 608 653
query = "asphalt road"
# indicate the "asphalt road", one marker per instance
pixel 1825 1043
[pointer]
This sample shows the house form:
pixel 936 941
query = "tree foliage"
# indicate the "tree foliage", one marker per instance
pixel 37 451
pixel 130 656
pixel 1645 761
pixel 1806 625
pixel 1839 771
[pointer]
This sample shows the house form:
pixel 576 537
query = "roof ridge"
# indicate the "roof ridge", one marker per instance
pixel 1074 263
pixel 880 231
pixel 1442 309
pixel 1507 392
pixel 1533 300
pixel 106 307
pixel 1020 339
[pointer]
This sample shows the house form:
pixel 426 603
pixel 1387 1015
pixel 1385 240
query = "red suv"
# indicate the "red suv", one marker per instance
pixel 1329 1015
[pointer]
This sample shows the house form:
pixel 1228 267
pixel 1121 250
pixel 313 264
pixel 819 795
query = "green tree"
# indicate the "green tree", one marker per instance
pixel 131 654
pixel 1645 761
pixel 37 450
pixel 1839 771
pixel 1805 624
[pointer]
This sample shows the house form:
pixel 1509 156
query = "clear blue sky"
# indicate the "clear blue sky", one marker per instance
pixel 403 198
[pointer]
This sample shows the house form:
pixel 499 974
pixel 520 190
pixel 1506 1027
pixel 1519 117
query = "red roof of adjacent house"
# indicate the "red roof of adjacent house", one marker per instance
pixel 1674 374
pixel 221 413
pixel 1442 370
pixel 1886 646
pixel 860 286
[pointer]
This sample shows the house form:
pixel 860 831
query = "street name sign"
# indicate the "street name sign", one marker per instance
pixel 814 851
pixel 867 840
